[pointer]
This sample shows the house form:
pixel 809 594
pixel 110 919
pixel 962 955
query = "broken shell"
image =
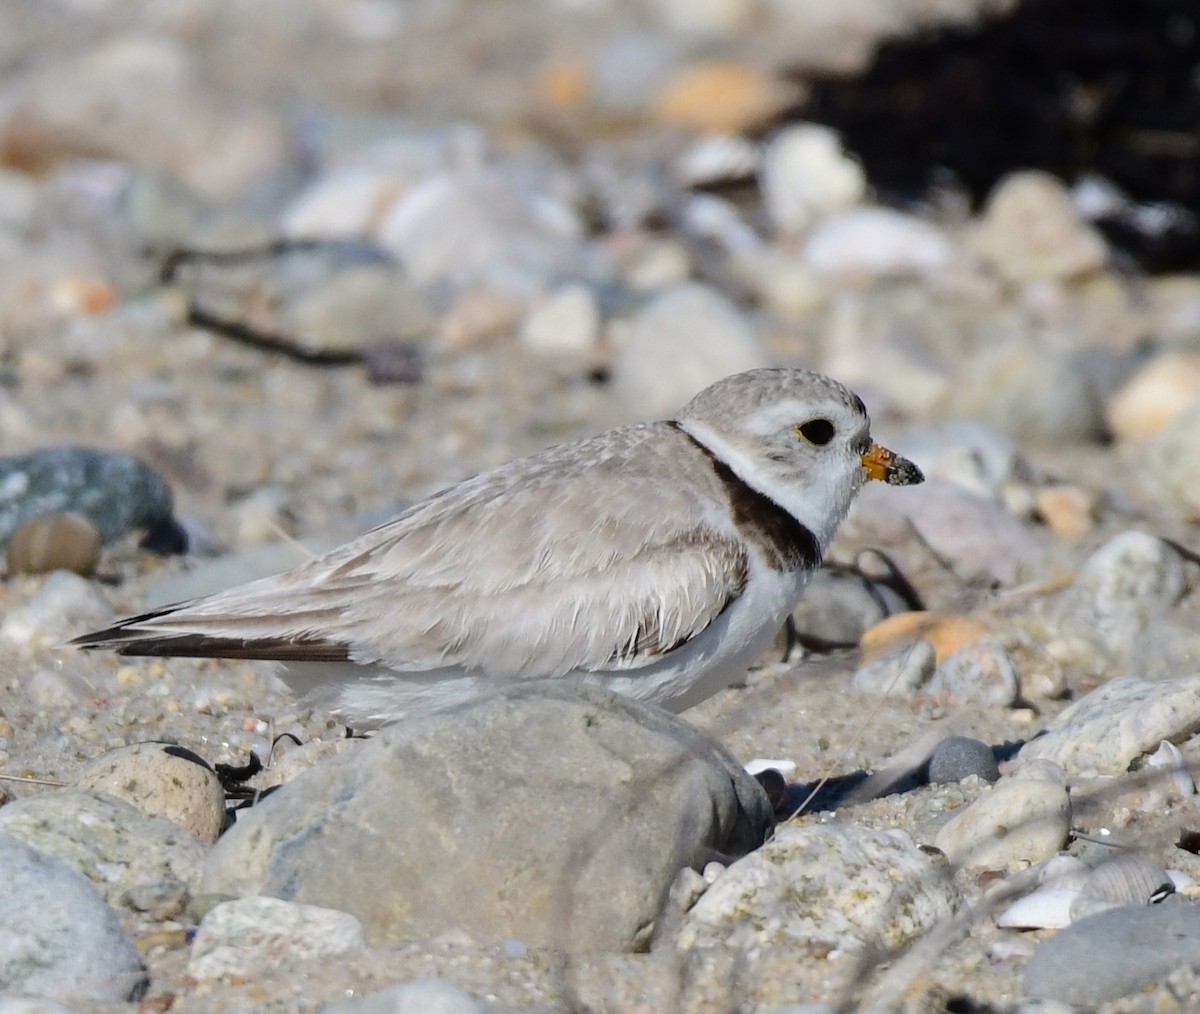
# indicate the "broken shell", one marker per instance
pixel 1169 758
pixel 67 541
pixel 1126 879
pixel 1045 908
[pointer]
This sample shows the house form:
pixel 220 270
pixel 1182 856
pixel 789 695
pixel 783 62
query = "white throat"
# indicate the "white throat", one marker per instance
pixel 820 502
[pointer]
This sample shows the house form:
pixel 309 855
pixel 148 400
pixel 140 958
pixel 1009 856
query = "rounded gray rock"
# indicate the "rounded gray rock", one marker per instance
pixel 838 607
pixel 555 812
pixel 116 492
pixel 1115 953
pixel 958 757
pixel 58 939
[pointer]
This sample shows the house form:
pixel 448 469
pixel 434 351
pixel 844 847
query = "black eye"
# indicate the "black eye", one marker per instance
pixel 816 431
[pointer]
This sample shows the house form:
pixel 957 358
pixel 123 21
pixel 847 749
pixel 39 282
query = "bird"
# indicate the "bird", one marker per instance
pixel 658 559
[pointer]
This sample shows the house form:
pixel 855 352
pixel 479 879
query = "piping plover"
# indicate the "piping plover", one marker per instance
pixel 657 559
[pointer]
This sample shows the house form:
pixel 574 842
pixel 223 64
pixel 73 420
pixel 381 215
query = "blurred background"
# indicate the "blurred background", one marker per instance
pixel 454 231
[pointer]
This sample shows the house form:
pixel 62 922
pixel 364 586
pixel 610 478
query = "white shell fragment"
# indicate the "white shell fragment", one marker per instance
pixel 1168 758
pixel 787 768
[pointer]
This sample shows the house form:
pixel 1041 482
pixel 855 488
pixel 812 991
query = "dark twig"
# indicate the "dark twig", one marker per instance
pixel 243 334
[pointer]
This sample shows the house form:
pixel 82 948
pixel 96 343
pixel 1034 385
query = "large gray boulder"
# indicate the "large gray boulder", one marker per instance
pixel 552 812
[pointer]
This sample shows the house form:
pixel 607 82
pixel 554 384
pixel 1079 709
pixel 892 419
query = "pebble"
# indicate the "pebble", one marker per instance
pixel 840 605
pixel 58 939
pixel 807 176
pixel 704 18
pixel 1023 818
pixel 720 96
pixel 1068 511
pixel 1118 721
pixel 847 886
pixel 980 673
pixel 1030 231
pixel 162 780
pixel 419 996
pixel 251 937
pixel 564 323
pixel 64 606
pixel 717 158
pixel 67 541
pixel 457 229
pixel 357 308
pixel 876 243
pixel 347 203
pixel 900 672
pixel 427 827
pixel 959 757
pixel 105 839
pixel 117 492
pixel 1121 588
pixel 1035 392
pixel 685 339
pixel 1154 397
pixel 1167 461
pixel 1115 954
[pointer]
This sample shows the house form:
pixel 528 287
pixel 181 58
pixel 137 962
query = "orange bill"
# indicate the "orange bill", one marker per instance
pixel 887 466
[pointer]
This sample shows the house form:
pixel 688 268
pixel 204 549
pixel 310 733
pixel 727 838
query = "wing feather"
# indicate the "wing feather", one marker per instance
pixel 600 555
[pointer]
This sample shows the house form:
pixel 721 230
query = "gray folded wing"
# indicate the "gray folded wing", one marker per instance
pixel 602 555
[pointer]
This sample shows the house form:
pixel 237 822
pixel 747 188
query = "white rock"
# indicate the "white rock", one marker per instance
pixel 1020 819
pixel 846 885
pixel 1030 231
pixel 807 176
pixel 420 996
pixel 565 323
pixel 877 242
pixel 64 605
pixel 704 17
pixel 687 338
pixel 1121 589
pixel 717 157
pixel 348 203
pixel 248 937
pixel 1118 721
pixel 460 228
